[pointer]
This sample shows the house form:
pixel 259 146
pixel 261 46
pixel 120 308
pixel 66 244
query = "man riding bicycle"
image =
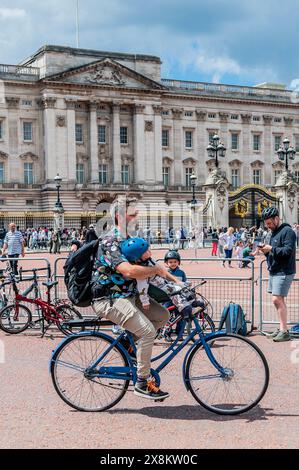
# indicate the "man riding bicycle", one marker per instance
pixel 121 304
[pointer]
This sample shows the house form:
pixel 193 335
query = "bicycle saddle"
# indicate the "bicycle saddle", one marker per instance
pixel 50 284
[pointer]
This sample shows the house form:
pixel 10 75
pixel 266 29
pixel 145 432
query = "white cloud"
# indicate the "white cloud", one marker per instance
pixel 11 13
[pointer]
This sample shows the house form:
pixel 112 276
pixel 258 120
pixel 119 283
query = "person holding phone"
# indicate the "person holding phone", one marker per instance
pixel 281 261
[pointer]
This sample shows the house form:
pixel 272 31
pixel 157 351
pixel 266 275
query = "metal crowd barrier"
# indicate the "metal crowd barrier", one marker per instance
pixel 267 313
pixel 220 290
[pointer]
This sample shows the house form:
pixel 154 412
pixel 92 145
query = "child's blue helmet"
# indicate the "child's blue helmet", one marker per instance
pixel 134 248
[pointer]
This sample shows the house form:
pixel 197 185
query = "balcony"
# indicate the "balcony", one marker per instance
pixel 233 91
pixel 19 72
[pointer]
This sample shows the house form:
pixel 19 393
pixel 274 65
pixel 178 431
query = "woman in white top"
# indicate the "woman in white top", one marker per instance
pixel 229 239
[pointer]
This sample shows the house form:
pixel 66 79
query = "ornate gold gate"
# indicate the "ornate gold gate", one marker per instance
pixel 247 203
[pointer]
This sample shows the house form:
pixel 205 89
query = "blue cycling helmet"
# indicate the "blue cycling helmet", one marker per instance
pixel 134 248
pixel 269 213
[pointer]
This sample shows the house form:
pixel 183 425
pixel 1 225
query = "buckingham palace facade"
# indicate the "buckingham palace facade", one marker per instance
pixel 108 124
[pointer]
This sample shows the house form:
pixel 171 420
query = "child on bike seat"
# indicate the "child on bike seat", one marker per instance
pixel 136 250
pixel 172 259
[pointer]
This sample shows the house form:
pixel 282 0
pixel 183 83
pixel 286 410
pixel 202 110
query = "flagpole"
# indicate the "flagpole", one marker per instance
pixel 77 23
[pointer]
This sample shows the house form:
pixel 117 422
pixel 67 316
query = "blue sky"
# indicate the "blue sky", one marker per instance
pixel 227 41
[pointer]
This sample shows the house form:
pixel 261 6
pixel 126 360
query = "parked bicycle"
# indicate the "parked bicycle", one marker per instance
pixel 226 374
pixel 16 317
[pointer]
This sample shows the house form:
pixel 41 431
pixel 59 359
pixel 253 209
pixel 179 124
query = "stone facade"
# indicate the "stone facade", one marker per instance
pixel 61 97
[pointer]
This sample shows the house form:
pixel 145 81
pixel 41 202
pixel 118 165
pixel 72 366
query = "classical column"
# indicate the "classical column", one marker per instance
pixel 116 143
pixel 51 158
pixel 14 141
pixel 71 139
pixel 139 144
pixel 268 149
pixel 158 144
pixel 177 146
pixel 201 145
pixel 246 150
pixel 93 142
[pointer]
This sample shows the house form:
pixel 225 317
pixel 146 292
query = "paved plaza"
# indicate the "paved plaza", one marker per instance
pixel 32 414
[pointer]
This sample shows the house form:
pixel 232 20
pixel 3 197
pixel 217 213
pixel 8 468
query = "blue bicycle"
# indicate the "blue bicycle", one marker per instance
pixel 226 374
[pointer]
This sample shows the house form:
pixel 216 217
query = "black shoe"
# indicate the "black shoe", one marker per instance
pixel 150 391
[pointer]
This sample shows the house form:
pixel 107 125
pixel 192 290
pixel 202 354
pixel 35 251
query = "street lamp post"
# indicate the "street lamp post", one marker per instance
pixel 193 205
pixel 215 149
pixel 58 180
pixel 286 152
pixel 58 208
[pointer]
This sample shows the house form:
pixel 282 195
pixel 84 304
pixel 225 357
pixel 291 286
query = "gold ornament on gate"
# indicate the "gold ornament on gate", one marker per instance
pixel 261 206
pixel 241 208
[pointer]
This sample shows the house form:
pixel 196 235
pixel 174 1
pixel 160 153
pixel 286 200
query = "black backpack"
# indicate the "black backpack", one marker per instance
pixel 78 271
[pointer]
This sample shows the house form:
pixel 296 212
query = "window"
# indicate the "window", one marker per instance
pixel 296 176
pixel 277 174
pixel 235 141
pixel 277 119
pixel 27 131
pixel 125 174
pixel 256 118
pixel 2 202
pixel 28 173
pixel 188 114
pixel 2 179
pixel 165 138
pixel 234 117
pixel 103 174
pixel 188 139
pixel 1 130
pixel 256 142
pixel 297 143
pixel 79 133
pixel 257 177
pixel 235 178
pixel 29 202
pixel 165 113
pixel 188 173
pixel 211 116
pixel 166 173
pixel 80 177
pixel 123 135
pixel 277 142
pixel 26 103
pixel 102 134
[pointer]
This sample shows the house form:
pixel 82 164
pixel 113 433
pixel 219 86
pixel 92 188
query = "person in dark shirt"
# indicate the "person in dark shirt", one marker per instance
pixel 91 234
pixel 281 261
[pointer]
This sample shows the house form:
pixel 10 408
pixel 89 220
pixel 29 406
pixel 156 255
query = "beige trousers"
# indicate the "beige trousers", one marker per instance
pixel 128 314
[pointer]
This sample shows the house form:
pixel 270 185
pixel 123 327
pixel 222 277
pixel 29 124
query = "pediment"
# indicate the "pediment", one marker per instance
pixel 236 162
pixel 257 164
pixel 106 72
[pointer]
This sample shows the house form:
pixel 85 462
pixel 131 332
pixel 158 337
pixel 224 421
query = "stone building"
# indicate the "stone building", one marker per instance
pixel 109 124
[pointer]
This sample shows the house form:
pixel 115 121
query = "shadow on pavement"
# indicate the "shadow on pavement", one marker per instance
pixel 195 412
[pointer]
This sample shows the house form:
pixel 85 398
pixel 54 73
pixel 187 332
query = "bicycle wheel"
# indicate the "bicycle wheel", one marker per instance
pixel 68 370
pixel 10 324
pixel 68 312
pixel 206 323
pixel 244 384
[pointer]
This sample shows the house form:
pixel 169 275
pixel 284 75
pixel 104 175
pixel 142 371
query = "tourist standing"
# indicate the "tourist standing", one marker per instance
pixel 14 245
pixel 229 239
pixel 281 261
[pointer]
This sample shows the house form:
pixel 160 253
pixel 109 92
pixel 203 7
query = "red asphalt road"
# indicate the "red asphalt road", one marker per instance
pixel 32 414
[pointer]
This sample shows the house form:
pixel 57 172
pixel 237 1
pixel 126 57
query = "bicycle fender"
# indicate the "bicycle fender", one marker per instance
pixel 88 333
